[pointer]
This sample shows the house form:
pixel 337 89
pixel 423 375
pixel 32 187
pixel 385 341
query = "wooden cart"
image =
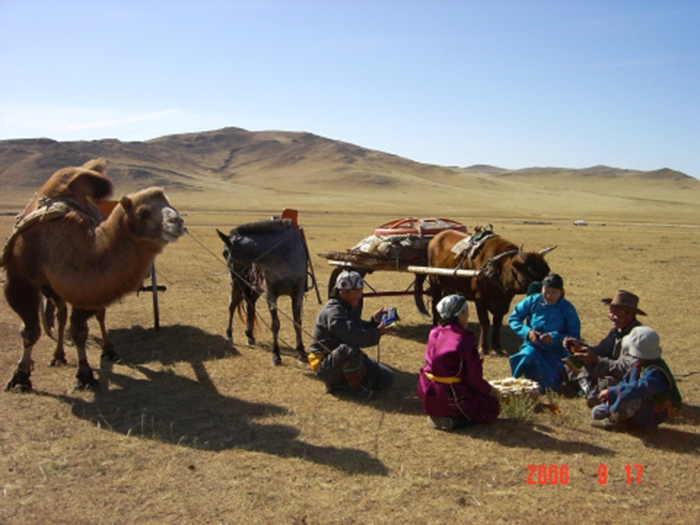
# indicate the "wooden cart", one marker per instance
pixel 397 246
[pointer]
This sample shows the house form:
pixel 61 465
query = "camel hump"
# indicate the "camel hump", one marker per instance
pixel 91 180
pixel 99 187
pixel 88 180
pixel 98 165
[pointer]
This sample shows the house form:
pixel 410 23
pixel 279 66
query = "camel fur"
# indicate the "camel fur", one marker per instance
pixel 79 258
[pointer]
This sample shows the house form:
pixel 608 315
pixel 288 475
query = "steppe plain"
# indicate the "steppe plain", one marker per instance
pixel 192 429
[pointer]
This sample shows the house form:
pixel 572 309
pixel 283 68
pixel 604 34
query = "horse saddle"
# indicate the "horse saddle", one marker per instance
pixel 472 244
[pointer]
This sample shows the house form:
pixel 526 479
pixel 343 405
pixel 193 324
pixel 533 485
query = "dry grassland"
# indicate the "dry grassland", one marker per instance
pixel 190 429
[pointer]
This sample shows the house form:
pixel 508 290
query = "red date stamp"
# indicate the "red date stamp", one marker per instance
pixel 554 474
pixel 634 474
pixel 547 474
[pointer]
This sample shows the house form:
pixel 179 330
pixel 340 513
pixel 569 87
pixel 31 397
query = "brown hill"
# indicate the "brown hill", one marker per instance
pixel 235 168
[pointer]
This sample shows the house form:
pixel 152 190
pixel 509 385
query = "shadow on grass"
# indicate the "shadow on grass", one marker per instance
pixel 689 414
pixel 669 437
pixel 176 410
pixel 169 345
pixel 524 434
pixel 413 332
pixel 399 398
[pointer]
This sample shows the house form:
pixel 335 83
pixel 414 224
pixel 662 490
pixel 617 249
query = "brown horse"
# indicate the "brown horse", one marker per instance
pixel 505 271
pixel 60 249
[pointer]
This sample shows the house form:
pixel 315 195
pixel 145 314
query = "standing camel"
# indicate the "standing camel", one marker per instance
pixel 59 249
pixel 276 249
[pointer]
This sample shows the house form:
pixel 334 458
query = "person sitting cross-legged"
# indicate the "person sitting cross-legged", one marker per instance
pixel 647 394
pixel 544 320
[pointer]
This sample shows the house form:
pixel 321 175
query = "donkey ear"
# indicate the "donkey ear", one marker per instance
pixel 126 203
pixel 225 238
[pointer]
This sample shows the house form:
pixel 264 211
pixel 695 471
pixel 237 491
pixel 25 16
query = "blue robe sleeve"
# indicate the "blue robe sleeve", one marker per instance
pixel 572 325
pixel 521 312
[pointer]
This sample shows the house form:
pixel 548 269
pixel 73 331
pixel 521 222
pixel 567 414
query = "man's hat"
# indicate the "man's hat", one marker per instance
pixel 626 300
pixel 349 280
pixel 642 342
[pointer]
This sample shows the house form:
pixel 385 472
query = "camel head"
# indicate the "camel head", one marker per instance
pixel 151 218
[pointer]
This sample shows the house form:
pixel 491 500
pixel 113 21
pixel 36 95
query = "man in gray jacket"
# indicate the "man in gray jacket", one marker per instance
pixel 338 336
pixel 607 362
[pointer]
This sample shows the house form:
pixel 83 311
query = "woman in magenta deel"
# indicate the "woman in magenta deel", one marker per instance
pixel 451 384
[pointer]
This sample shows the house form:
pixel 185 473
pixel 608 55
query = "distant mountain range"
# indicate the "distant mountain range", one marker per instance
pixel 284 164
pixel 231 152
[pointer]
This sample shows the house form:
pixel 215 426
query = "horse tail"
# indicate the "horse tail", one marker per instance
pixel 418 295
pixel 252 321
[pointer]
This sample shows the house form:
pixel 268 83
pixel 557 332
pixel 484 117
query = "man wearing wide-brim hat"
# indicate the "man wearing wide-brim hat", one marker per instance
pixel 607 362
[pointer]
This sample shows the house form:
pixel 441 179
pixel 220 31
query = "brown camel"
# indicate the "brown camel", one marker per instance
pixel 60 249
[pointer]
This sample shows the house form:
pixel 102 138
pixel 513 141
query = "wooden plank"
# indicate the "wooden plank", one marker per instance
pixel 383 266
pixel 447 272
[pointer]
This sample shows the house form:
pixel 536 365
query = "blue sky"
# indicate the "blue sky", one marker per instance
pixel 509 83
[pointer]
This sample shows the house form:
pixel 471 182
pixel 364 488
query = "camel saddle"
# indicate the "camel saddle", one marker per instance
pixel 47 210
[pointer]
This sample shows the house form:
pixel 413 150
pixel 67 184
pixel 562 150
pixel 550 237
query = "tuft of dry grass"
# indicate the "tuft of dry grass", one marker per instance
pixel 520 408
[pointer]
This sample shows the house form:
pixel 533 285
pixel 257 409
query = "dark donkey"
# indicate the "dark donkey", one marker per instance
pixel 276 250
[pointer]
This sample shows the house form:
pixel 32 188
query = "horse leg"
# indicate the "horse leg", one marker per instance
pixel 484 323
pixel 275 327
pixel 79 333
pixel 231 309
pixel 59 355
pixel 107 346
pixel 24 299
pixel 251 297
pixel 297 307
pixel 496 335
